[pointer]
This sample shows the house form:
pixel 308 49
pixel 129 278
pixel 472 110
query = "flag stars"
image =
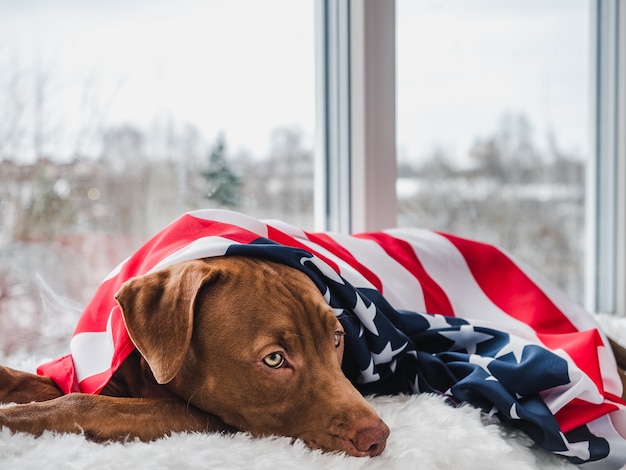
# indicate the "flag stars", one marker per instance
pixel 482 362
pixel 465 338
pixel 387 354
pixel 436 321
pixel 575 449
pixel 515 347
pixel 369 375
pixel 324 268
pixel 366 314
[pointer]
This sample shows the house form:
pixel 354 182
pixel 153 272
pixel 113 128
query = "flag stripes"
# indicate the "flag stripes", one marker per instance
pixel 423 311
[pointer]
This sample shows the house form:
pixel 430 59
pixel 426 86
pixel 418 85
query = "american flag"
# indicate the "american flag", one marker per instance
pixel 423 312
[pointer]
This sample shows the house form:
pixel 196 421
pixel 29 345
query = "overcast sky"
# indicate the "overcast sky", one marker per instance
pixel 244 67
pixel 462 64
pixel 223 65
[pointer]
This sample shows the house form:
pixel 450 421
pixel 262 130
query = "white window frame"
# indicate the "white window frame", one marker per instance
pixel 356 161
pixel 606 175
pixel 356 172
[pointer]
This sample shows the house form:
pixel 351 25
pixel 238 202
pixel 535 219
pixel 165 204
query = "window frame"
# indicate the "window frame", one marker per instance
pixel 356 146
pixel 356 142
pixel 606 191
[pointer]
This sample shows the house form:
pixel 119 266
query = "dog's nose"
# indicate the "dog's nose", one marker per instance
pixel 372 440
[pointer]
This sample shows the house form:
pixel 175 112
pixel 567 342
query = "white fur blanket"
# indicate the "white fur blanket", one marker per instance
pixel 425 433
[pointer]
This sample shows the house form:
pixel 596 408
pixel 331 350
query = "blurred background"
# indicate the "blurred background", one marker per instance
pixel 116 117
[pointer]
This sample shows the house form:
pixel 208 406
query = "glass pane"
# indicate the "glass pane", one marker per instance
pixel 118 116
pixel 493 125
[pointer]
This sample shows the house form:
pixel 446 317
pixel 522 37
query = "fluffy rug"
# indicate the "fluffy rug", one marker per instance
pixel 426 433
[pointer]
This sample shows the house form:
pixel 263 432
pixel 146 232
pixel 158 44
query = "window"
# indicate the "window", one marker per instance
pixel 596 31
pixel 606 266
pixel 494 125
pixel 117 117
pixel 356 115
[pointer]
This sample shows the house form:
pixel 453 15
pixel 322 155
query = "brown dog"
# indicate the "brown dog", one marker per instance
pixel 222 344
pixel 214 355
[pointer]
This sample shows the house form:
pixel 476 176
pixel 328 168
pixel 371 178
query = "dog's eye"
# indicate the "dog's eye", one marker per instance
pixel 338 335
pixel 274 360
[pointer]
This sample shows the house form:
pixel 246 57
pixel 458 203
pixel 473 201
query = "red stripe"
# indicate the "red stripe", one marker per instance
pixel 176 236
pixel 102 300
pixel 579 413
pixel 123 347
pixel 342 253
pixel 510 289
pixel 95 383
pixel 582 348
pixel 62 371
pixel 284 239
pixel 402 252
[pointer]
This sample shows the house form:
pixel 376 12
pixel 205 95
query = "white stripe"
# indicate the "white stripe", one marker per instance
pixel 116 270
pixel 401 288
pixel 582 320
pixel 576 314
pixel 284 227
pixel 448 268
pixel 350 274
pixel 232 218
pixel 608 368
pixel 612 427
pixel 92 353
pixel 215 215
pixel 200 248
pixel 579 386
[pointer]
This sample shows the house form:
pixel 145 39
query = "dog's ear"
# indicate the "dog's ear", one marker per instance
pixel 158 310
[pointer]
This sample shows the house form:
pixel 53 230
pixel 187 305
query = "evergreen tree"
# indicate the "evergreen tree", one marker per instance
pixel 224 184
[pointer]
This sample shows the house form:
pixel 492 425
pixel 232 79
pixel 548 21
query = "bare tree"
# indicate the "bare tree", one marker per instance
pixel 530 203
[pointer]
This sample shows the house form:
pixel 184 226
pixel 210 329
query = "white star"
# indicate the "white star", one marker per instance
pixel 326 270
pixel 513 412
pixel 481 361
pixel 465 338
pixel 338 311
pixel 387 354
pixel 436 321
pixel 368 375
pixel 575 449
pixel 366 314
pixel 513 346
pixel 416 387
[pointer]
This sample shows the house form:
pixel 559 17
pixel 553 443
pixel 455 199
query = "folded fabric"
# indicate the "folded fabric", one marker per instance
pixel 423 312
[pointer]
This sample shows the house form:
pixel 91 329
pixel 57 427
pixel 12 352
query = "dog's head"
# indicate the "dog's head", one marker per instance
pixel 254 343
